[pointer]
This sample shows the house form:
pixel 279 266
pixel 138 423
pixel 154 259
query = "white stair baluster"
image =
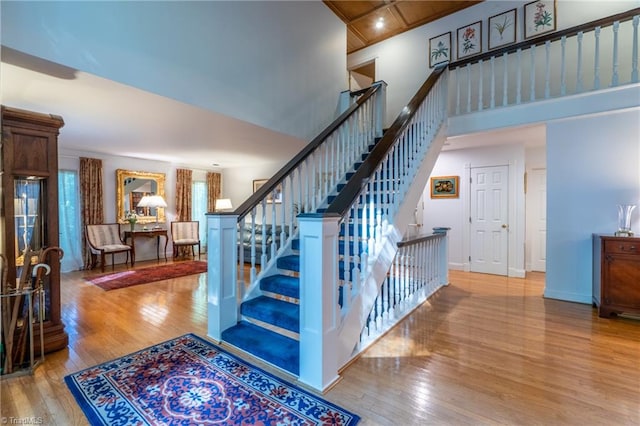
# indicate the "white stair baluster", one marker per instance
pixel 547 70
pixel 519 78
pixel 492 102
pixel 532 79
pixel 480 86
pixel 458 91
pixel 634 53
pixel 614 78
pixel 596 60
pixel 468 87
pixel 579 82
pixel 563 67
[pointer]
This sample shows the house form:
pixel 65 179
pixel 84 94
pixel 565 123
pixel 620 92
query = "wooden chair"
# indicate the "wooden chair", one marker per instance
pixel 185 233
pixel 105 239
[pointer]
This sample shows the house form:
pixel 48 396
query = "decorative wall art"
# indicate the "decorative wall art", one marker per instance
pixel 272 197
pixel 444 187
pixel 469 40
pixel 539 18
pixel 440 49
pixel 502 29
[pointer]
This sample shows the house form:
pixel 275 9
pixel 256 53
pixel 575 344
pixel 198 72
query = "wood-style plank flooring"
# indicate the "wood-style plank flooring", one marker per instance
pixel 484 350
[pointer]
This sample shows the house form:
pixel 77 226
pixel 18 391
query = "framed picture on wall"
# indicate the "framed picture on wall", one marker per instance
pixel 440 49
pixel 502 29
pixel 469 40
pixel 539 18
pixel 273 197
pixel 444 187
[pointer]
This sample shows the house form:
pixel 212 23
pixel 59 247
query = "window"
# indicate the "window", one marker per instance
pixel 199 210
pixel 69 217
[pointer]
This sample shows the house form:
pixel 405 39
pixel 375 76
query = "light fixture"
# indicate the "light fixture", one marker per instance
pixel 223 204
pixel 380 23
pixel 153 201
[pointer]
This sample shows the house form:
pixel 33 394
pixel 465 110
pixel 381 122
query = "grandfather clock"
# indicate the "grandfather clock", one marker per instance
pixel 29 206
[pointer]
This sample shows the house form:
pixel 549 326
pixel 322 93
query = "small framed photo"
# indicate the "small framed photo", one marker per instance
pixel 273 197
pixel 469 40
pixel 440 49
pixel 444 187
pixel 539 18
pixel 502 29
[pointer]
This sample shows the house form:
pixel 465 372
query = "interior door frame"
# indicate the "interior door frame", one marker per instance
pixel 516 209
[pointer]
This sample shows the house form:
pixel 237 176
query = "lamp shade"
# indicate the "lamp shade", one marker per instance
pixel 152 201
pixel 223 204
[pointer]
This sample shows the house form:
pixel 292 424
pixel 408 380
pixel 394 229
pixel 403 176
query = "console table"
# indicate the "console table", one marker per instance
pixel 147 233
pixel 616 275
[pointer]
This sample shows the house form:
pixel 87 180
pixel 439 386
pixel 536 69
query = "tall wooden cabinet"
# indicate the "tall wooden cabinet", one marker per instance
pixel 616 275
pixel 29 205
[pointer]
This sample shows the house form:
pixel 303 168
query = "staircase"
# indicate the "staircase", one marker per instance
pixel 270 323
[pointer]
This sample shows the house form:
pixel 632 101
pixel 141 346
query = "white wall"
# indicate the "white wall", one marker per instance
pixel 403 62
pixel 593 164
pixel 276 64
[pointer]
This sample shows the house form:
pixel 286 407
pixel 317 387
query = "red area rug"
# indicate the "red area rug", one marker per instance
pixel 191 381
pixel 148 275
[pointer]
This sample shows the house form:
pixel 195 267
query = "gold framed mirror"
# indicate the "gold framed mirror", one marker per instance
pixel 131 186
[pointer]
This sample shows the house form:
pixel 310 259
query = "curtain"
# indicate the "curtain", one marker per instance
pixel 183 201
pixel 71 232
pixel 213 190
pixel 91 198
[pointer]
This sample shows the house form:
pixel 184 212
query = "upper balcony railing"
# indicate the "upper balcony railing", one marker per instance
pixel 592 56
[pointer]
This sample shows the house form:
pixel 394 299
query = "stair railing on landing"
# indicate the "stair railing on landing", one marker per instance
pixel 346 251
pixel 264 225
pixel 419 269
pixel 591 56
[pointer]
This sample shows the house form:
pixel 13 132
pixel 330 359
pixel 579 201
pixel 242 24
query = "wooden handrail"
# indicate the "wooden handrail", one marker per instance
pixel 420 239
pixel 538 41
pixel 347 196
pixel 273 182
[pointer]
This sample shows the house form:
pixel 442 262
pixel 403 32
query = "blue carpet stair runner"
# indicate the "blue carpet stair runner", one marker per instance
pixel 269 344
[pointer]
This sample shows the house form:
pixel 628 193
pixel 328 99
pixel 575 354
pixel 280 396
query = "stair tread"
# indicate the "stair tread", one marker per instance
pixel 273 311
pixel 290 262
pixel 272 347
pixel 285 285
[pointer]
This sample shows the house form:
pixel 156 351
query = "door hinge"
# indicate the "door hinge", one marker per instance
pixel 469 259
pixel 470 219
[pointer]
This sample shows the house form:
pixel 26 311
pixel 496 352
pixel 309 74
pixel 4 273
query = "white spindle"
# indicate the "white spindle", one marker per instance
pixel 634 53
pixel 614 78
pixel 286 201
pixel 563 65
pixel 579 82
pixel 468 87
pixel 547 70
pixel 532 79
pixel 519 78
pixel 492 101
pixel 253 245
pixel 505 80
pixel 596 60
pixel 263 233
pixel 240 248
pixel 458 91
pixel 480 85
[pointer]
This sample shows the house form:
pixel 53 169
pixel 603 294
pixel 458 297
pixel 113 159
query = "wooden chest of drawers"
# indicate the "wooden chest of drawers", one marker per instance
pixel 616 275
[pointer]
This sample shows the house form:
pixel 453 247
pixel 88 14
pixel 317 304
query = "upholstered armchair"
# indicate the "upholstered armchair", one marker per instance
pixel 106 239
pixel 185 234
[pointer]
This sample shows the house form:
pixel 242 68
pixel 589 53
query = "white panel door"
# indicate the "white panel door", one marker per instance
pixel 537 194
pixel 489 224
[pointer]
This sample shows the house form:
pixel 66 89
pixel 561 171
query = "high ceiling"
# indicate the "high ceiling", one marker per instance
pixel 397 15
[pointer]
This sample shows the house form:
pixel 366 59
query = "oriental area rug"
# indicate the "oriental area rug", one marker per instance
pixel 148 275
pixel 190 381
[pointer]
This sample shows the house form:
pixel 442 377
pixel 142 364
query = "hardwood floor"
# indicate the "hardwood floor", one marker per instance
pixel 484 350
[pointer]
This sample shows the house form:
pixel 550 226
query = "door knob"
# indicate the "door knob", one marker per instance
pixel 505 226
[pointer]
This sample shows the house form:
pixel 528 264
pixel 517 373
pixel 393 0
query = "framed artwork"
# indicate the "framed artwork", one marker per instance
pixel 444 187
pixel 539 17
pixel 502 29
pixel 440 49
pixel 469 40
pixel 272 197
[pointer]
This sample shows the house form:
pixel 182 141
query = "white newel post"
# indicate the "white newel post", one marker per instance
pixel 443 256
pixel 381 107
pixel 222 304
pixel 319 309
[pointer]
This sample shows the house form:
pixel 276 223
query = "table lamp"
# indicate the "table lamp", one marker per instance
pixel 153 201
pixel 223 204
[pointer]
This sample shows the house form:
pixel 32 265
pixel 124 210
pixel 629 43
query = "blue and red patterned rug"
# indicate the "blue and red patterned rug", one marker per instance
pixel 189 380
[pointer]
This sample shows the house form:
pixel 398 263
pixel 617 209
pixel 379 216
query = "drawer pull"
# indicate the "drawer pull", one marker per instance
pixel 631 248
